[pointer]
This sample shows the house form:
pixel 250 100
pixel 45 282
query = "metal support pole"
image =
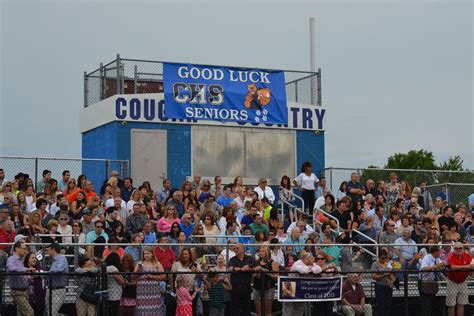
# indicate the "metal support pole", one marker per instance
pixel 50 298
pixel 118 81
pixel 135 79
pixel 76 252
pixel 262 294
pixel 330 175
pixel 36 173
pixel 312 58
pixel 86 90
pixel 405 292
pixel 104 289
pixel 102 81
pixel 296 91
pixel 319 91
pixel 107 168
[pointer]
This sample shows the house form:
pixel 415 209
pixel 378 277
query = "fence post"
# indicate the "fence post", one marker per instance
pixel 330 175
pixel 405 292
pixel 262 293
pixel 1 292
pixel 296 91
pixel 103 290
pixel 36 173
pixel 119 89
pixel 102 81
pixel 135 79
pixel 76 252
pixel 86 90
pixel 319 90
pixel 50 298
pixel 107 167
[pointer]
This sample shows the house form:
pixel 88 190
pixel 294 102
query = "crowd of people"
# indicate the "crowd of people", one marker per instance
pixel 204 229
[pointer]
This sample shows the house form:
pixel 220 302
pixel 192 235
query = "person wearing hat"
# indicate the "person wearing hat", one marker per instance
pixel 58 279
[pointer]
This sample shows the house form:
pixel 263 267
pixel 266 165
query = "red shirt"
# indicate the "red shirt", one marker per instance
pixel 165 257
pixel 6 237
pixel 453 259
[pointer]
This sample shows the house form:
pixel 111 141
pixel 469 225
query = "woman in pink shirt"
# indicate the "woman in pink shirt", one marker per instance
pixel 170 216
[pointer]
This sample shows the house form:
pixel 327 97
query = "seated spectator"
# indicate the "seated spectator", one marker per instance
pixel 52 235
pixel 343 215
pixel 258 225
pixel 112 220
pixel 210 228
pixel 331 252
pixel 405 224
pixel 135 221
pixel 305 228
pixel 98 231
pixel 113 248
pixel 177 202
pixel 231 230
pixel 263 190
pixel 296 240
pixel 388 235
pixel 210 205
pixel 7 235
pixel 187 226
pixel 406 251
pixel 149 234
pixel 353 297
pixel 134 248
pixel 229 251
pixel 168 218
pixel 247 238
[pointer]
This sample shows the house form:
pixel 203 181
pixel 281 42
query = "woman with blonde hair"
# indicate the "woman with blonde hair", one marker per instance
pixel 135 197
pixel 149 301
pixel 168 218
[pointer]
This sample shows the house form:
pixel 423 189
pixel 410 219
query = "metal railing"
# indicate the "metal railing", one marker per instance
pixel 291 206
pixel 353 230
pixel 331 217
pixel 132 76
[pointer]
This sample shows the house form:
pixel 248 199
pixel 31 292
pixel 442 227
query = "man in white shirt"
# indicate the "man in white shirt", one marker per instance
pixel 111 202
pixel 305 229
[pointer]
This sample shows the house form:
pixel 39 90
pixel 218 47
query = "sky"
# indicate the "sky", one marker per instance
pixel 396 75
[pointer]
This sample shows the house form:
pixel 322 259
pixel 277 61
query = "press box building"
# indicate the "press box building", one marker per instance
pixel 124 119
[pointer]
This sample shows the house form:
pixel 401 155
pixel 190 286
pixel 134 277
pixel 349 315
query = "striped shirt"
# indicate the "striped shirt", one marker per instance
pixel 217 295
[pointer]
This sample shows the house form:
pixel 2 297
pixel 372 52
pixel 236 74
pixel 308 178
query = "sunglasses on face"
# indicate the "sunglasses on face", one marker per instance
pixel 458 248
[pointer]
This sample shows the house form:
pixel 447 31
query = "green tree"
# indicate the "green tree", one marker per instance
pixel 414 159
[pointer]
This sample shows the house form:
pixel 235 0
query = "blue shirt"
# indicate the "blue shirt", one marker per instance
pixel 134 252
pixel 91 236
pixel 150 238
pixel 224 240
pixel 187 230
pixel 296 248
pixel 224 201
pixel 59 265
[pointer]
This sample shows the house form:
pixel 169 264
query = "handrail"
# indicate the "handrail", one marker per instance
pixel 302 210
pixel 321 224
pixel 331 217
pixel 376 254
pixel 296 196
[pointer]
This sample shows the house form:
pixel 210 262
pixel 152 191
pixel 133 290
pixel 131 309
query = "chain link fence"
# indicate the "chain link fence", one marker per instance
pixel 97 170
pixel 132 76
pixel 460 183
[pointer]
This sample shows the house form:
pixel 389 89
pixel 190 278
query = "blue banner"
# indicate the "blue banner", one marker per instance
pixel 224 94
pixel 307 289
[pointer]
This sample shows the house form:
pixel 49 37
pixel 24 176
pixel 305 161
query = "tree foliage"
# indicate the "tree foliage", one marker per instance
pixel 421 160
